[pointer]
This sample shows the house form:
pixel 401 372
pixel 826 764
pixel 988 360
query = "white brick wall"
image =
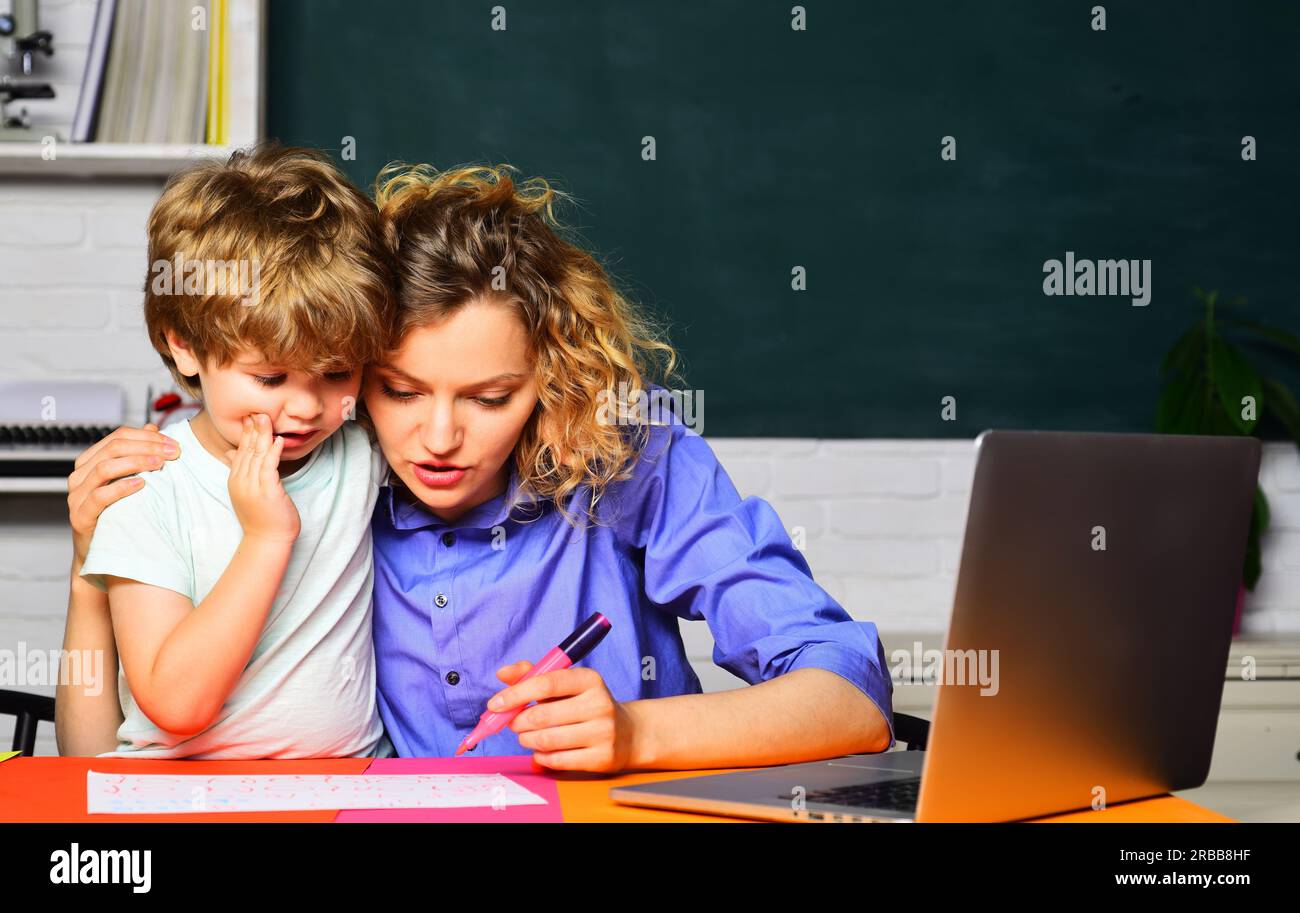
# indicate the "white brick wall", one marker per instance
pixel 882 519
pixel 72 271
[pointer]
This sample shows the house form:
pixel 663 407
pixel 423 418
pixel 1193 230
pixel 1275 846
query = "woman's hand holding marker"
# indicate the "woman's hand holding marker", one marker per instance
pixel 264 508
pixel 576 724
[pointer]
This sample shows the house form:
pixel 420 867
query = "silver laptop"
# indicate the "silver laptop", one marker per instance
pixel 1103 569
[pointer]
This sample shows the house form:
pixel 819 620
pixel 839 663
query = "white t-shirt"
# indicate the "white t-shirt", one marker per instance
pixel 309 688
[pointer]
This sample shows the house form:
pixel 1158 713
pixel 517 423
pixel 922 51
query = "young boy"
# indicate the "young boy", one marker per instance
pixel 239 579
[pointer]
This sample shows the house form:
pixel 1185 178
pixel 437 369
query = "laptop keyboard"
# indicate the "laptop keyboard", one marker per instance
pixel 900 795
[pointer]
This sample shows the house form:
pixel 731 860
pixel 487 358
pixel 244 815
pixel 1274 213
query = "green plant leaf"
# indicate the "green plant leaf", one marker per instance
pixel 1188 353
pixel 1280 401
pixel 1234 377
pixel 1197 415
pixel 1261 511
pixel 1276 335
pixel 1218 421
pixel 1177 408
pixel 1252 566
pixel 1180 404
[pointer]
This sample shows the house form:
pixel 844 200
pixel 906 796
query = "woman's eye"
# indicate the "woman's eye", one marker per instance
pixel 492 402
pixel 273 380
pixel 399 395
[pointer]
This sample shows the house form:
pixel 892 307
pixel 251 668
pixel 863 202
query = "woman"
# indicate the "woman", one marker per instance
pixel 521 501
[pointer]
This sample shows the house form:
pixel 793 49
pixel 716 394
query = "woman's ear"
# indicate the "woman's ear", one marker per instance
pixel 184 357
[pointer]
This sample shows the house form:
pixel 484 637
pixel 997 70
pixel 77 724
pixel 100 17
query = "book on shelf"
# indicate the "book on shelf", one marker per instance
pixel 172 73
pixel 92 79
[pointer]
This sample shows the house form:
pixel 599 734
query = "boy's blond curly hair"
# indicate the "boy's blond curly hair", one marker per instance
pixel 323 298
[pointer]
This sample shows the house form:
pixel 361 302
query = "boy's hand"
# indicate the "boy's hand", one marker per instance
pixel 263 507
pixel 99 477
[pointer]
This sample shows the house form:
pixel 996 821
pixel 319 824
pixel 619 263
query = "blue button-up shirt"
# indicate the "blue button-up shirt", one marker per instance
pixel 456 601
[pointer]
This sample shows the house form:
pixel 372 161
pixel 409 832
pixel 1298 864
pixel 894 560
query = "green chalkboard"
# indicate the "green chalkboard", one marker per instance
pixel 821 148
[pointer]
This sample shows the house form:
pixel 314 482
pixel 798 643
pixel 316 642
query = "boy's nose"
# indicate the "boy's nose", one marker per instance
pixel 304 407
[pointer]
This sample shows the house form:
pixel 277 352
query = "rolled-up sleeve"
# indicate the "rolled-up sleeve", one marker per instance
pixel 711 555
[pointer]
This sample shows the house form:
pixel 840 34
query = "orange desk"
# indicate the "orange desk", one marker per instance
pixel 54 789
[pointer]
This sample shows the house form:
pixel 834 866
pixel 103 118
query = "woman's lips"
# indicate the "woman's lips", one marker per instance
pixel 438 478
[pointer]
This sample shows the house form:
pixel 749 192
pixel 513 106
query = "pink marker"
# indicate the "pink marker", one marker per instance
pixel 572 649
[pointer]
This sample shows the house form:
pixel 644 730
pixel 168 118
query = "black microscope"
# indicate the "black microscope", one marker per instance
pixel 22 39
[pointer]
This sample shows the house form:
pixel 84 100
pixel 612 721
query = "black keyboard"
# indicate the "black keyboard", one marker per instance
pixel 51 436
pixel 44 452
pixel 899 795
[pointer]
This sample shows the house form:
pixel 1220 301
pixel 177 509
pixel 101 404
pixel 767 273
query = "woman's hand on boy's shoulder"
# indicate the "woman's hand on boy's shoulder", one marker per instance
pixel 105 472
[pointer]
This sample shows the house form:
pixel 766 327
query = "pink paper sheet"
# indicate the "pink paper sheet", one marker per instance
pixel 518 768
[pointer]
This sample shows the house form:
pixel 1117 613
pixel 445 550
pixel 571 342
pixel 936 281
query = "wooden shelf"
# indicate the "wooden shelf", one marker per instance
pixel 104 159
pixel 245 60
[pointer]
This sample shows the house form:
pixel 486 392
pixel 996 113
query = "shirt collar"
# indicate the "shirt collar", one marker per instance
pixel 405 515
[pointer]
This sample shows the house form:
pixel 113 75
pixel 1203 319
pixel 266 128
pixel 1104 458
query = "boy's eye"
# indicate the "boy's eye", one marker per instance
pixel 339 376
pixel 272 380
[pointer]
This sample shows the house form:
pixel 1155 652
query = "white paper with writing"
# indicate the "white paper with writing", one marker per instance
pixel 135 794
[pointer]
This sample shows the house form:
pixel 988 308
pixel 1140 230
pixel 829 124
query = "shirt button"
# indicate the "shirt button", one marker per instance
pixel 453 678
pixel 449 539
pixel 440 600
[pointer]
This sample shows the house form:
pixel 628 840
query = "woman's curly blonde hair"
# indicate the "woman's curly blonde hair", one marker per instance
pixel 452 233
